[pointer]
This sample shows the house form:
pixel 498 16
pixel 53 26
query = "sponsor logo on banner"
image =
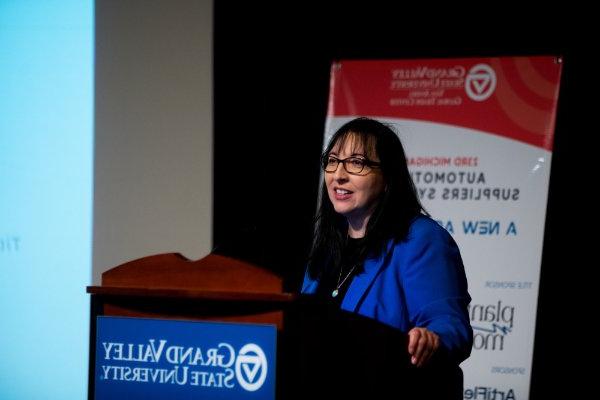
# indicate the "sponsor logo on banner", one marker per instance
pixel 480 82
pixel 488 393
pixel 491 323
pixel 179 359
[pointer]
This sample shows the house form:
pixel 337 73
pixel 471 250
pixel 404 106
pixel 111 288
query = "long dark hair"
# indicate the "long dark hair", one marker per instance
pixel 397 207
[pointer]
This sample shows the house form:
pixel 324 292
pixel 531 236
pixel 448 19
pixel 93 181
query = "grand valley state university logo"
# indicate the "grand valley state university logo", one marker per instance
pixel 480 82
pixel 184 359
pixel 158 362
pixel 250 362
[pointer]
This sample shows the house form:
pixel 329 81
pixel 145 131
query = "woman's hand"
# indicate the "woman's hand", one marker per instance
pixel 422 343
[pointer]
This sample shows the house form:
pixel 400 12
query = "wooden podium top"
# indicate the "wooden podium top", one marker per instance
pixel 214 277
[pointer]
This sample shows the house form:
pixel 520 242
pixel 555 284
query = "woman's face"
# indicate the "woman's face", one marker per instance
pixel 354 196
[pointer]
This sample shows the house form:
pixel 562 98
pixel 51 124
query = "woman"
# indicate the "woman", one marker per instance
pixel 378 254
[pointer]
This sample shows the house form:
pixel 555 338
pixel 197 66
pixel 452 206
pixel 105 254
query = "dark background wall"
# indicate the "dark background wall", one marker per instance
pixel 271 75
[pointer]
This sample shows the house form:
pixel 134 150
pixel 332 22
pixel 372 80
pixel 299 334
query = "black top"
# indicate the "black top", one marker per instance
pixel 339 277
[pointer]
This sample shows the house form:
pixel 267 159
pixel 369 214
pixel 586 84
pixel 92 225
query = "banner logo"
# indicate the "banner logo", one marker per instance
pixel 250 360
pixel 488 393
pixel 491 324
pixel 480 82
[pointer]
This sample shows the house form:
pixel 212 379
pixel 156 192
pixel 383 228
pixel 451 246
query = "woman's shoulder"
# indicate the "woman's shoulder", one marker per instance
pixel 425 225
pixel 425 235
pixel 425 230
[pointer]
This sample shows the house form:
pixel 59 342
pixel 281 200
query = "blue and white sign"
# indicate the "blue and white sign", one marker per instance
pixel 165 359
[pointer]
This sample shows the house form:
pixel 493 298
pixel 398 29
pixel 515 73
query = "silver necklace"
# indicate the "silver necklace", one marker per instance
pixel 339 285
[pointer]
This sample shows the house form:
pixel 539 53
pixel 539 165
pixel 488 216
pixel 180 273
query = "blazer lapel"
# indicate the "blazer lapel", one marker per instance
pixel 361 282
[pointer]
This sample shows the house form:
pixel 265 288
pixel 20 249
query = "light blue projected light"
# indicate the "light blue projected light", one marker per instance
pixel 46 151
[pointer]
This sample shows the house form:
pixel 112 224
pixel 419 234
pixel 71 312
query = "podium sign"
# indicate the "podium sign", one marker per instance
pixel 140 358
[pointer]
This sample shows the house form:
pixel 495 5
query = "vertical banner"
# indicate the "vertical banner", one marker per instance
pixel 478 134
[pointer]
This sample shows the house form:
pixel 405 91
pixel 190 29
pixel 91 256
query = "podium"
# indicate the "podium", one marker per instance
pixel 321 351
pixel 170 287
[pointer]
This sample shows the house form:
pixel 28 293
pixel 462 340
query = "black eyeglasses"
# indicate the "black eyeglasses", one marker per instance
pixel 352 165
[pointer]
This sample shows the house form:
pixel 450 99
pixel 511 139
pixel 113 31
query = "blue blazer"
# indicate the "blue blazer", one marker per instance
pixel 419 281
